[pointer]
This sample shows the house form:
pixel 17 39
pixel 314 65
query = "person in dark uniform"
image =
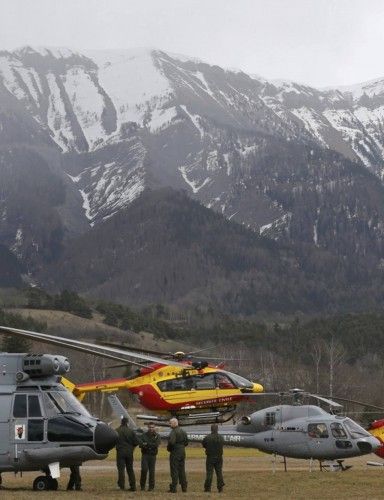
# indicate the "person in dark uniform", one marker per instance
pixel 74 482
pixel 177 441
pixel 126 443
pixel 150 442
pixel 213 444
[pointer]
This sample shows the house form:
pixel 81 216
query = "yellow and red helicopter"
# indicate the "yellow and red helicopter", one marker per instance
pixel 194 391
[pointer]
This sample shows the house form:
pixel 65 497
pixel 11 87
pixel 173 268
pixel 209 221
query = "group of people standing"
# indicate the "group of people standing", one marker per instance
pixel 149 443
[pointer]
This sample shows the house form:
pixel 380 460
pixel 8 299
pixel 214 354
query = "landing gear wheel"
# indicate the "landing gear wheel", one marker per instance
pixel 41 483
pixel 53 483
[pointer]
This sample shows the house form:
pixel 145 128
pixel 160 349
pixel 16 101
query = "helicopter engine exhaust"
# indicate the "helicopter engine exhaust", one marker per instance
pixel 45 365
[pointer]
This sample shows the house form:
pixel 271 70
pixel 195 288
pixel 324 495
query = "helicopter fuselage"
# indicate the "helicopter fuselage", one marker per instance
pixel 42 425
pixel 297 431
pixel 172 389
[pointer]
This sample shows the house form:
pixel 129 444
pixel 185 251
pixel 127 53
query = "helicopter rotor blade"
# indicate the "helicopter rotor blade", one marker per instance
pixel 218 358
pixel 362 403
pixel 133 349
pixel 200 350
pixel 322 398
pixel 86 350
pixel 165 355
pixel 107 352
pixel 170 355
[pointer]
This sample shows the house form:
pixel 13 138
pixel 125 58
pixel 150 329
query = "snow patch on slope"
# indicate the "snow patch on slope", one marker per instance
pixel 312 122
pixel 57 119
pixel 370 88
pixel 161 117
pixel 195 119
pixel 86 204
pixel 193 184
pixel 132 81
pixel 87 103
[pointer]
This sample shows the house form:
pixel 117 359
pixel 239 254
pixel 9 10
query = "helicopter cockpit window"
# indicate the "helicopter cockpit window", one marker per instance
pixel 240 382
pixel 65 402
pixel 317 430
pixel 35 429
pixel 20 406
pixel 338 430
pixel 355 430
pixel 63 429
pixel 224 382
pixel 34 409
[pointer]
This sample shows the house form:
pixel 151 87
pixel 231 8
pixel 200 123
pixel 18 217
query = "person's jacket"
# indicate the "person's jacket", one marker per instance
pixel 213 444
pixel 177 440
pixel 127 440
pixel 150 442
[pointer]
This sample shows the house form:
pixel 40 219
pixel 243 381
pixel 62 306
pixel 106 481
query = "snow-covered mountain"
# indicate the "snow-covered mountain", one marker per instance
pixel 144 118
pixel 287 160
pixel 169 119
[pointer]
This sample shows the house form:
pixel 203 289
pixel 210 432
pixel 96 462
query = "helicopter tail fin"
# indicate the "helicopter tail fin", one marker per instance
pixel 72 388
pixel 376 428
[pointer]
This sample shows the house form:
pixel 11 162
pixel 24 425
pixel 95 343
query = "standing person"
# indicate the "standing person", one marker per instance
pixel 126 443
pixel 150 442
pixel 177 441
pixel 213 444
pixel 74 482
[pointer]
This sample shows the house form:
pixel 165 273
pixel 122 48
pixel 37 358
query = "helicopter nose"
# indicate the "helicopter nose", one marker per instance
pixel 105 438
pixel 257 388
pixel 368 445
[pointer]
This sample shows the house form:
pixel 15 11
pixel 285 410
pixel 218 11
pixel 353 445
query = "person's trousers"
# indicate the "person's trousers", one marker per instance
pixel 214 464
pixel 148 464
pixel 177 466
pixel 125 463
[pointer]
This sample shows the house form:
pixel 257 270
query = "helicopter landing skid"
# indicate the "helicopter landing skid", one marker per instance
pixel 212 417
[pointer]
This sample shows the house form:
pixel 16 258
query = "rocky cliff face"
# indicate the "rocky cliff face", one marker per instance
pixel 293 163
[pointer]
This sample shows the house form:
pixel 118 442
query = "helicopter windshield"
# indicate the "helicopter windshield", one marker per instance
pixel 240 382
pixel 354 429
pixel 65 402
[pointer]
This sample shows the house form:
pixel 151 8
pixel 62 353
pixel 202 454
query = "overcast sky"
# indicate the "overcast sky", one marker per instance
pixel 319 42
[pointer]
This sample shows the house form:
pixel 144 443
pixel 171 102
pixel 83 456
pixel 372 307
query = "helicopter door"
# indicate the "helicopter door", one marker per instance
pixel 27 424
pixel 35 430
pixel 5 410
pixel 19 420
pixel 190 389
pixel 287 434
pixel 318 437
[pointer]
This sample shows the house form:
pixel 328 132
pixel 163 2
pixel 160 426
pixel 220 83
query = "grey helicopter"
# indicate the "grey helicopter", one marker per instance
pixel 43 427
pixel 298 431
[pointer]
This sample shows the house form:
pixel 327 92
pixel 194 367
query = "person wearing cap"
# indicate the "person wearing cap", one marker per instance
pixel 126 443
pixel 213 444
pixel 177 441
pixel 150 442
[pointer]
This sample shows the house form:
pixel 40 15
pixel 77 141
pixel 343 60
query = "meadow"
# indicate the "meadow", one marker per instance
pixel 247 474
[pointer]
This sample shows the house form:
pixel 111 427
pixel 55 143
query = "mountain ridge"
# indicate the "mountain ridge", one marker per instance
pixel 298 165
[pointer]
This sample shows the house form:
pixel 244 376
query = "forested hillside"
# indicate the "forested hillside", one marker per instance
pixel 340 355
pixel 168 248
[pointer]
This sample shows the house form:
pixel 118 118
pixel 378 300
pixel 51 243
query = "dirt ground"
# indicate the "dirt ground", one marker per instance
pixel 247 474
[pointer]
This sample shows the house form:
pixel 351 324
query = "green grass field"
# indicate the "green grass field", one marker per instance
pixel 247 475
